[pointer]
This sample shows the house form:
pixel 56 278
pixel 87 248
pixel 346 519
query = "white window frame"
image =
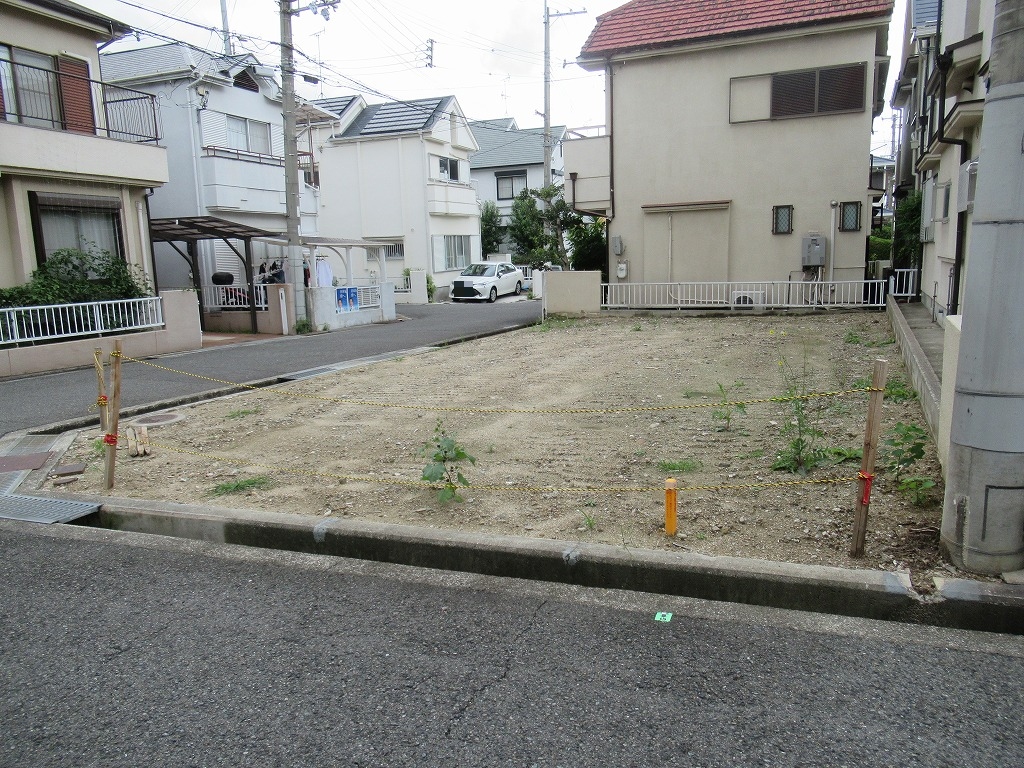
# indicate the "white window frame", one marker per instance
pixel 252 131
pixel 442 168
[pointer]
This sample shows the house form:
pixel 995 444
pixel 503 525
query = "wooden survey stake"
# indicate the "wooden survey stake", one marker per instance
pixel 867 463
pixel 110 434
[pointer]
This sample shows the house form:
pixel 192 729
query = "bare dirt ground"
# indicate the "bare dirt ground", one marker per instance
pixel 301 448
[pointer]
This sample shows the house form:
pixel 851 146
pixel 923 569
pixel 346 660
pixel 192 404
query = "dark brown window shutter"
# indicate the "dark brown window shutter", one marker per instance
pixel 793 94
pixel 841 89
pixel 76 95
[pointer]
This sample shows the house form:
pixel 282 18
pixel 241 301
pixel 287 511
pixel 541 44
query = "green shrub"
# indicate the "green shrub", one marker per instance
pixel 70 276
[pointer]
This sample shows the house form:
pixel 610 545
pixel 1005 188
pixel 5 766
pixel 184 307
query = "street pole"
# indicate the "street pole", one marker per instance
pixel 547 87
pixel 291 145
pixel 547 96
pixel 228 48
pixel 983 512
pixel 291 162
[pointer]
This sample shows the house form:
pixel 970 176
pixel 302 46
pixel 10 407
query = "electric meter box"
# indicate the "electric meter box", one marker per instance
pixel 813 253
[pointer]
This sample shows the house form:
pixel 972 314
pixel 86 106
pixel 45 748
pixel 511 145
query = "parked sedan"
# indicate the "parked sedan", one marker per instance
pixel 487 280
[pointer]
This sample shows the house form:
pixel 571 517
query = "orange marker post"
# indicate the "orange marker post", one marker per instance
pixel 670 507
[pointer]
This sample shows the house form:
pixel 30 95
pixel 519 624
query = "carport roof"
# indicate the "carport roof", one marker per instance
pixel 313 240
pixel 195 228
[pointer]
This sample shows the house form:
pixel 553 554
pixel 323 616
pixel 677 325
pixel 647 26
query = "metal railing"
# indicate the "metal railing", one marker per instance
pixel 369 296
pixel 753 295
pixel 218 298
pixel 56 322
pixel 904 283
pixel 63 101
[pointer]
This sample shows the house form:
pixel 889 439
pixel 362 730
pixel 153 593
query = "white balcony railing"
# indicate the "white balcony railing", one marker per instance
pixel 21 325
pixel 217 298
pixel 753 295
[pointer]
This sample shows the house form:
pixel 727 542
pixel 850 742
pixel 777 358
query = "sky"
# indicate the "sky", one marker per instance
pixel 489 54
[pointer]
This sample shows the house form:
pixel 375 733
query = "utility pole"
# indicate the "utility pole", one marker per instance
pixel 983 511
pixel 547 87
pixel 291 144
pixel 228 50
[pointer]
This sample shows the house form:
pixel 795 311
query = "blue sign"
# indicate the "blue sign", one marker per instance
pixel 346 299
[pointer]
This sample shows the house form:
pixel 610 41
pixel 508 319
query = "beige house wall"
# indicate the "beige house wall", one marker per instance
pixel 34 159
pixel 693 192
pixel 16 236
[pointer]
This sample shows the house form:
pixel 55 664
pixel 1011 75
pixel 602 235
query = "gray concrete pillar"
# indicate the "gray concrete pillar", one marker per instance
pixel 983 513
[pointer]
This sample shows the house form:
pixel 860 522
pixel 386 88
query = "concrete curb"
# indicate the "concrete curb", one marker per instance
pixel 923 378
pixel 864 593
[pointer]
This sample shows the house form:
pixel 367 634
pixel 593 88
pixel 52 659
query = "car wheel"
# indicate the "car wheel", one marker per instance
pixel 493 295
pixel 519 288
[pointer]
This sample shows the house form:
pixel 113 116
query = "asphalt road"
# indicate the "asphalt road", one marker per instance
pixel 128 650
pixel 59 397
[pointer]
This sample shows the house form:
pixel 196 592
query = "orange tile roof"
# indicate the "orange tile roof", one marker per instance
pixel 658 23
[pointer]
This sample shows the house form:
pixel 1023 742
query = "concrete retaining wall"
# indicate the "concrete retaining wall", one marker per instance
pixel 571 293
pixel 181 332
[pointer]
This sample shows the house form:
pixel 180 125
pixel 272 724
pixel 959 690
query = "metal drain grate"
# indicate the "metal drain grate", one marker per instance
pixel 34 509
pixel 305 374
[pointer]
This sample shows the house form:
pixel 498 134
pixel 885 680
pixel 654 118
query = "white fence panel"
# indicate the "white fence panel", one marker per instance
pixel 221 297
pixel 65 321
pixel 746 295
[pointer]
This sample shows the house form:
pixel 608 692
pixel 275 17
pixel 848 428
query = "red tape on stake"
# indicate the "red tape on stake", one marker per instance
pixel 867 478
pixel 110 439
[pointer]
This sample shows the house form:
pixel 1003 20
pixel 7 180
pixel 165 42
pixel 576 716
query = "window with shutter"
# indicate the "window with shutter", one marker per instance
pixel 822 91
pixel 76 95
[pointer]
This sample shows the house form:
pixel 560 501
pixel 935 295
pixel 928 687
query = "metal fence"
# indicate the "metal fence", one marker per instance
pixel 904 283
pixel 369 296
pixel 69 102
pixel 218 298
pixel 754 295
pixel 55 322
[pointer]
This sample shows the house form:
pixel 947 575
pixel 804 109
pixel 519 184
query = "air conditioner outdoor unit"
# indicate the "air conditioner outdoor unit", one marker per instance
pixel 748 299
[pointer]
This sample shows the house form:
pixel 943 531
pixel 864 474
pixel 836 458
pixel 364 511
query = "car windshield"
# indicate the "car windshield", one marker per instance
pixel 479 270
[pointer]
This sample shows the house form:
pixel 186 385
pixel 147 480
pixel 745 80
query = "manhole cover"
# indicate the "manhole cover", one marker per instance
pixel 158 419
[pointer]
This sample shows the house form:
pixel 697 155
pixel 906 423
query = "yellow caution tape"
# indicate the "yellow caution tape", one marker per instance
pixel 462 409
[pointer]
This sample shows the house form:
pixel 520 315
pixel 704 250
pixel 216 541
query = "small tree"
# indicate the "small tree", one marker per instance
pixel 589 246
pixel 907 232
pixel 526 228
pixel 490 227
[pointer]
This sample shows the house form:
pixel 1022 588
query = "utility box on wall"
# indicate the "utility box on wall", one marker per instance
pixel 813 252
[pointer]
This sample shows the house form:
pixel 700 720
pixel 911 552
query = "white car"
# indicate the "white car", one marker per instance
pixel 487 280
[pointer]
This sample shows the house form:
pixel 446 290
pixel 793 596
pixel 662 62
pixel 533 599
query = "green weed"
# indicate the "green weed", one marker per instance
pixel 241 486
pixel 446 457
pixel 683 465
pixel 242 413
pixel 728 408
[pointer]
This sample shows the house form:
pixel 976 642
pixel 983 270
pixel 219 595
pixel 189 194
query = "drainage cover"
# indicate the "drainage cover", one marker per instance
pixel 308 374
pixel 33 509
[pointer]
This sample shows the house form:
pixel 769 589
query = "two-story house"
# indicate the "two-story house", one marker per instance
pixel 738 138
pixel 941 95
pixel 225 140
pixel 78 157
pixel 511 160
pixel 398 173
